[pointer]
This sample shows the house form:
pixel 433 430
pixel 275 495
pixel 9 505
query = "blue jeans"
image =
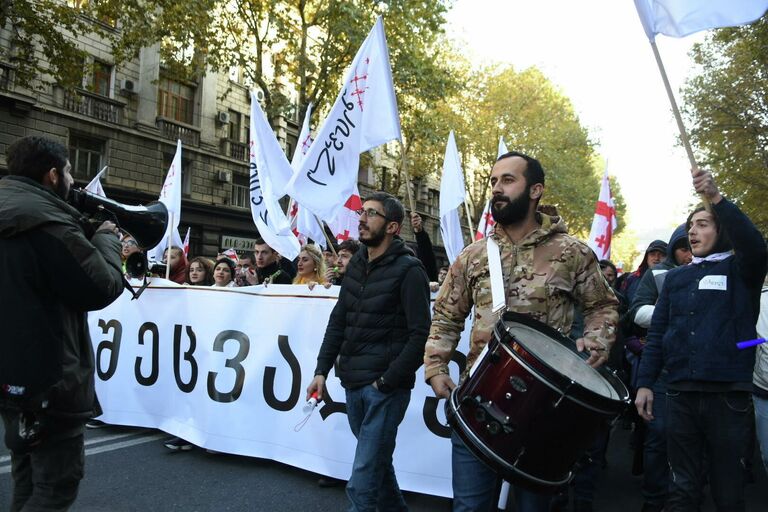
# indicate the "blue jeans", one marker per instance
pixel 761 424
pixel 715 427
pixel 475 485
pixel 655 465
pixel 374 417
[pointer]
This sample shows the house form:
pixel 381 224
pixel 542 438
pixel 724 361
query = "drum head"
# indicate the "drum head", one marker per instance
pixel 559 353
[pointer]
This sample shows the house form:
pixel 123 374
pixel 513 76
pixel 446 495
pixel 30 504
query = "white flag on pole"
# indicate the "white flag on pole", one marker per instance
pixel 604 222
pixel 186 242
pixel 502 148
pixel 170 196
pixel 452 194
pixel 269 172
pixel 94 187
pixel 345 225
pixel 679 18
pixel 303 223
pixel 364 116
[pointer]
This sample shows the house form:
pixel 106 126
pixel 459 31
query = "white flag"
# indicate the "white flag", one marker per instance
pixel 364 116
pixel 679 18
pixel 345 225
pixel 303 223
pixel 186 242
pixel 604 222
pixel 170 196
pixel 452 193
pixel 94 187
pixel 269 170
pixel 502 148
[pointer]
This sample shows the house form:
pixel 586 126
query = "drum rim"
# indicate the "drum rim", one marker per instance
pixel 463 430
pixel 618 386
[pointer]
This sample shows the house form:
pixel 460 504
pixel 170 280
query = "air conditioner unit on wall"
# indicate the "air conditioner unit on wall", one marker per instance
pixel 224 176
pixel 223 117
pixel 259 95
pixel 127 86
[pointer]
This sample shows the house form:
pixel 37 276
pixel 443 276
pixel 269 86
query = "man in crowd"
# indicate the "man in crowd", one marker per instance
pixel 760 378
pixel 548 272
pixel 424 249
pixel 268 268
pixel 704 309
pixel 654 254
pixel 377 330
pixel 347 249
pixel 47 363
pixel 245 270
pixel 655 467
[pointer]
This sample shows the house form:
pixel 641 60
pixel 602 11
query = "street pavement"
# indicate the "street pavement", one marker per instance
pixel 129 469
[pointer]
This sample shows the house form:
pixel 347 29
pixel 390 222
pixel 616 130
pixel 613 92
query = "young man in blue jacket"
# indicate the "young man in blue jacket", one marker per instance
pixel 704 309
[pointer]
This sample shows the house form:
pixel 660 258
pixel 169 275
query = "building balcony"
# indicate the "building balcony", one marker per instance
pixel 189 135
pixel 93 105
pixel 6 76
pixel 235 149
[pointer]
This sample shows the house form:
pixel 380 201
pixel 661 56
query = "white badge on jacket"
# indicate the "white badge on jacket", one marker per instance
pixel 713 283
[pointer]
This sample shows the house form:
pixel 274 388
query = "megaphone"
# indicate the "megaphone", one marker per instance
pixel 146 224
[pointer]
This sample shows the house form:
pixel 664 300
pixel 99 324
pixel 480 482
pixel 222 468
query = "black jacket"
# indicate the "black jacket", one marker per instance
pixel 51 275
pixel 426 254
pixel 381 321
pixel 705 309
pixel 275 272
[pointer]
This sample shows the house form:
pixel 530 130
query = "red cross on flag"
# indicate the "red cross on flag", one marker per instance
pixel 364 116
pixel 344 226
pixel 604 222
pixel 485 226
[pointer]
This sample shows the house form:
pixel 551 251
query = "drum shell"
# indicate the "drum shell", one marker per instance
pixel 550 421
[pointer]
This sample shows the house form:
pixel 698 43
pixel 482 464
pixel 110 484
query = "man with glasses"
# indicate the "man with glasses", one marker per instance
pixel 377 330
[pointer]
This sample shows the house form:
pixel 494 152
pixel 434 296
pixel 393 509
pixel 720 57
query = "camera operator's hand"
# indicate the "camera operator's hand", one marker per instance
pixel 108 226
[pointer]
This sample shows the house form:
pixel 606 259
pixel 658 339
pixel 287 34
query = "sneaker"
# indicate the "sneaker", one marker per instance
pixel 95 424
pixel 177 444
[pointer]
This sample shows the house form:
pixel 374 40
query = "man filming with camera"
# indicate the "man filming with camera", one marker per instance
pixel 54 268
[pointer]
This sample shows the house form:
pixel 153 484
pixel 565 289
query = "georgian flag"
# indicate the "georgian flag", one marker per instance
pixel 269 173
pixel 364 116
pixel 485 226
pixel 186 242
pixel 679 18
pixel 345 225
pixel 604 222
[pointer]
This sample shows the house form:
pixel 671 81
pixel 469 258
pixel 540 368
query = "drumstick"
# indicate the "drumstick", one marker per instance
pixel 751 343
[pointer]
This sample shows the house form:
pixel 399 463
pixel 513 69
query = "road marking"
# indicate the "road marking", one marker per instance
pixel 95 440
pixel 105 448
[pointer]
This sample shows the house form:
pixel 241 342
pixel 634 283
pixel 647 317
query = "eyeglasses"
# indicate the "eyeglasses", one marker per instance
pixel 371 213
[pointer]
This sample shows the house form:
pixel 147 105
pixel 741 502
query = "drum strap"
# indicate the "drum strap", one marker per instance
pixel 497 276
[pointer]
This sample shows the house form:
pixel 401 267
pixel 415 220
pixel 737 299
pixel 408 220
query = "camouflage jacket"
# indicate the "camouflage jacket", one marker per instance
pixel 546 274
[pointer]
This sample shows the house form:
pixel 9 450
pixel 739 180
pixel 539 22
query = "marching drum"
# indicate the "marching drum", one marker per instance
pixel 531 406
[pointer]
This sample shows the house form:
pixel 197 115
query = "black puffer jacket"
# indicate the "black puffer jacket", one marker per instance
pixel 51 275
pixel 381 320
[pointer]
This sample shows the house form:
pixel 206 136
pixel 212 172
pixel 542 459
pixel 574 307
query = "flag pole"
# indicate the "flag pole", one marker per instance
pixel 327 238
pixel 469 220
pixel 678 117
pixel 168 247
pixel 407 177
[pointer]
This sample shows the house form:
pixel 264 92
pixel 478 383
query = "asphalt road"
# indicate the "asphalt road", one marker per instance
pixel 129 469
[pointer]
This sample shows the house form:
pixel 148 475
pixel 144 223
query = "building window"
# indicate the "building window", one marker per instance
pixel 235 127
pixel 175 101
pixel 241 193
pixel 86 156
pixel 87 5
pixel 101 78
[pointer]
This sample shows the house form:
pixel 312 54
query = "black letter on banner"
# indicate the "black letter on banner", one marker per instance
pixel 329 406
pixel 155 368
pixel 112 345
pixel 234 363
pixel 189 355
pixel 269 379
pixel 429 412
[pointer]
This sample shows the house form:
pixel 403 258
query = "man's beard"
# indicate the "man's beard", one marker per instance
pixel 514 211
pixel 374 237
pixel 62 188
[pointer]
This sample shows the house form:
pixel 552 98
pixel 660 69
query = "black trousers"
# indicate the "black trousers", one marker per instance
pixel 47 477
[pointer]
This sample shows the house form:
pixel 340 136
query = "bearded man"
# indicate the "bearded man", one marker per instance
pixel 547 274
pixel 377 330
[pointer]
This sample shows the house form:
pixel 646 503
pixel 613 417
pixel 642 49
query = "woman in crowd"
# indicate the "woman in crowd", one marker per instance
pixel 310 266
pixel 178 264
pixel 200 272
pixel 224 273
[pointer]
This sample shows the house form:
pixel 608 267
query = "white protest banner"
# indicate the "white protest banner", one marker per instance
pixel 364 116
pixel 189 361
